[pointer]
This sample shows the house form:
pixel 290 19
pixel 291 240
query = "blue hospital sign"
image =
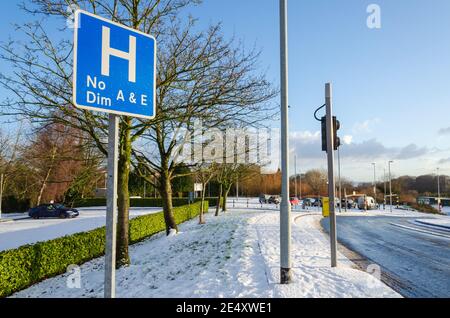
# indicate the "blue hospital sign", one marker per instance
pixel 114 67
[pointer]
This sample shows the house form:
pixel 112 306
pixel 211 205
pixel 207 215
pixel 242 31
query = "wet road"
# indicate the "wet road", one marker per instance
pixel 417 256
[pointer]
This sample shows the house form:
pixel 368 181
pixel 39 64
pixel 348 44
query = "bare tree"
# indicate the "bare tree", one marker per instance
pixel 317 180
pixel 41 84
pixel 203 79
pixel 199 75
pixel 204 174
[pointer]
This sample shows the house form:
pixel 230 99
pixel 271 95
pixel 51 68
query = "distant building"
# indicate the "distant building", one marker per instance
pixel 433 201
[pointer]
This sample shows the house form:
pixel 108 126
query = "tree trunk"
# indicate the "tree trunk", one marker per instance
pixel 123 199
pixel 218 200
pixel 202 215
pixel 166 194
pixel 43 185
pixel 225 197
pixel 47 176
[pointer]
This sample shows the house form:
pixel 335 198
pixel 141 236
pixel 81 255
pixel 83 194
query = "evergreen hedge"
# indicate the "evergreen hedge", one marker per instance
pixel 140 203
pixel 30 264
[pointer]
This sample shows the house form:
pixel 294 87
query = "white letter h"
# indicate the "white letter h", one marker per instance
pixel 107 51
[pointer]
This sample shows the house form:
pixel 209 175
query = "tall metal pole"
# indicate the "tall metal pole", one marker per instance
pixel 375 180
pixel 111 210
pixel 340 183
pixel 1 194
pixel 285 208
pixel 295 165
pixel 384 179
pixel 390 185
pixel 439 190
pixel 331 181
pixel 300 185
pixel 346 201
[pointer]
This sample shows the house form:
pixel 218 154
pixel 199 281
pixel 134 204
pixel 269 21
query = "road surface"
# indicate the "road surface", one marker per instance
pixel 417 256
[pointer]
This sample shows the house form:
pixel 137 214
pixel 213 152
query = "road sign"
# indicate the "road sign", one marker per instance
pixel 114 71
pixel 114 67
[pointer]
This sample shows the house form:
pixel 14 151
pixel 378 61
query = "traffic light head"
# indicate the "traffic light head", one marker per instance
pixel 324 133
pixel 336 127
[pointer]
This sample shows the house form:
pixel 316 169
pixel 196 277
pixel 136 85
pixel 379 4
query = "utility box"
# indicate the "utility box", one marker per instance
pixel 325 207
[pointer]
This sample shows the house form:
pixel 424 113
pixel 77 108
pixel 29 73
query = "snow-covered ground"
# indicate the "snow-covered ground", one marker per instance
pixel 12 216
pixel 442 223
pixel 235 255
pixel 395 213
pixel 28 231
pixel 446 210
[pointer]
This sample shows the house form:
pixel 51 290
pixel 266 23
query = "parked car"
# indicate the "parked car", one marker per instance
pixel 307 202
pixel 52 211
pixel 264 198
pixel 366 203
pixel 317 203
pixel 294 201
pixel 350 204
pixel 274 199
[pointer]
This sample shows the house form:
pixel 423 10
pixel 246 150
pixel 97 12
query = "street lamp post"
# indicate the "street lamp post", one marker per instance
pixel 339 176
pixel 390 185
pixel 384 198
pixel 285 208
pixel 1 193
pixel 375 180
pixel 295 171
pixel 300 184
pixel 439 190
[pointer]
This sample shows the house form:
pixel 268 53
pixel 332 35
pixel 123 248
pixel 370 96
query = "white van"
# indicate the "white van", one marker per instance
pixel 366 203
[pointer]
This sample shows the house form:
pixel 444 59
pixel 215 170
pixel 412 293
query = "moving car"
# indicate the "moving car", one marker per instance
pixel 52 211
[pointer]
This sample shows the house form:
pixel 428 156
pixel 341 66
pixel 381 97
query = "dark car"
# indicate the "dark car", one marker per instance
pixel 274 200
pixel 350 203
pixel 307 202
pixel 52 211
pixel 264 198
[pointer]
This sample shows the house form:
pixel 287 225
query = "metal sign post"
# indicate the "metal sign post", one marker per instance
pixel 111 209
pixel 114 72
pixel 1 193
pixel 285 209
pixel 331 181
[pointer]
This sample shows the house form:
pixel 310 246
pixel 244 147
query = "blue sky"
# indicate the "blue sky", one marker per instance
pixel 391 86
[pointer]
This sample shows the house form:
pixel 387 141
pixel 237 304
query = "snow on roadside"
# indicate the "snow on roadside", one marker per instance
pixel 235 255
pixel 444 223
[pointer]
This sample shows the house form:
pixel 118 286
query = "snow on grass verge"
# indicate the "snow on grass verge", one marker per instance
pixel 235 255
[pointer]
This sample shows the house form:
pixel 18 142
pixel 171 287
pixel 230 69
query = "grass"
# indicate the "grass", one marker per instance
pixel 424 208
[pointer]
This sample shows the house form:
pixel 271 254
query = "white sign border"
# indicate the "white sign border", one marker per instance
pixel 75 57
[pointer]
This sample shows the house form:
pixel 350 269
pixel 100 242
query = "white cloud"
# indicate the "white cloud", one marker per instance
pixel 305 137
pixel 347 140
pixel 365 127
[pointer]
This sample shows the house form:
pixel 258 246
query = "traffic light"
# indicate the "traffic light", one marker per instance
pixel 336 127
pixel 324 133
